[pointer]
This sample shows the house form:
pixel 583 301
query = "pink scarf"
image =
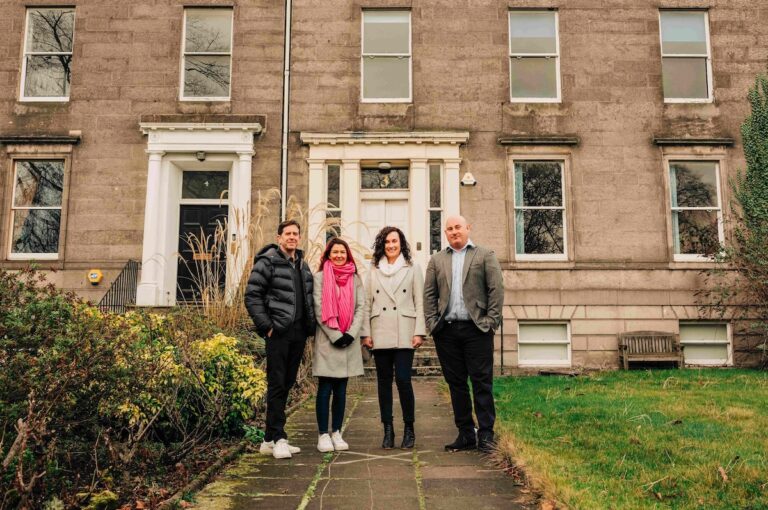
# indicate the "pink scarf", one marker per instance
pixel 338 306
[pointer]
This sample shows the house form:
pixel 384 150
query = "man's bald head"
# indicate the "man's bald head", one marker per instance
pixel 457 231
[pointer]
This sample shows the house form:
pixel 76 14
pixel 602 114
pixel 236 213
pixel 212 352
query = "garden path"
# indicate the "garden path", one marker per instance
pixel 367 477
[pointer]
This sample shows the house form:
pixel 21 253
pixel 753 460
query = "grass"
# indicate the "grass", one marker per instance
pixel 682 439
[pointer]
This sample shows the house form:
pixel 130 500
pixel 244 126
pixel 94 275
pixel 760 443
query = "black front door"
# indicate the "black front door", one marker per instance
pixel 202 251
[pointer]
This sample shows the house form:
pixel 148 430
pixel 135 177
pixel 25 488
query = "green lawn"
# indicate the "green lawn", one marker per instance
pixel 643 439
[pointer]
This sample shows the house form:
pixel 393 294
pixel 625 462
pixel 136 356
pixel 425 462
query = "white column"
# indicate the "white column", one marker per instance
pixel 418 211
pixel 152 259
pixel 238 250
pixel 451 184
pixel 317 205
pixel 350 198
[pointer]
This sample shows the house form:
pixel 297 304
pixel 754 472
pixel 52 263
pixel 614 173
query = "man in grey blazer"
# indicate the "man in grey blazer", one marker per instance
pixel 463 296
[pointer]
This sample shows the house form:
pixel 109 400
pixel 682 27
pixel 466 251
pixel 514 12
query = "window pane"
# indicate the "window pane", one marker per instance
pixel 435 231
pixel 333 185
pixel 703 332
pixel 684 78
pixel 695 184
pixel 538 183
pixel 532 32
pixel 39 183
pixel 541 231
pixel 534 77
pixel 206 76
pixel 332 224
pixel 386 32
pixel 683 33
pixel 205 185
pixel 36 231
pixel 544 332
pixel 50 30
pixel 434 186
pixel 542 352
pixel 706 354
pixel 696 232
pixel 386 77
pixel 373 178
pixel 48 76
pixel 208 30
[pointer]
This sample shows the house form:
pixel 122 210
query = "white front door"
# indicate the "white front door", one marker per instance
pixel 376 214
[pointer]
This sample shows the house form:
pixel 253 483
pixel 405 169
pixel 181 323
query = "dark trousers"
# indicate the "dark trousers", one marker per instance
pixel 284 353
pixel 397 363
pixel 465 351
pixel 326 386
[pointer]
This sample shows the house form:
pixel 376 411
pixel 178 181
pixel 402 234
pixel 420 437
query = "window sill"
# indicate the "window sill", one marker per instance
pixel 387 101
pixel 688 101
pixel 43 100
pixel 205 99
pixel 535 100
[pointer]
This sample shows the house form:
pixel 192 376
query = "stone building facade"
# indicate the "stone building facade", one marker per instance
pixel 595 144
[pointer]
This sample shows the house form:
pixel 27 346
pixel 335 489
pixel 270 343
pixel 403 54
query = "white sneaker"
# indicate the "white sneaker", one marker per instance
pixel 281 450
pixel 338 443
pixel 324 443
pixel 267 447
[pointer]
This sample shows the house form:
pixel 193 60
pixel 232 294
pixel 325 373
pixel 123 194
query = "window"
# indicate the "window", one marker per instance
pixel 543 344
pixel 38 187
pixel 539 210
pixel 686 67
pixel 435 209
pixel 206 64
pixel 386 56
pixel 697 229
pixel 333 202
pixel 47 66
pixel 534 64
pixel 705 343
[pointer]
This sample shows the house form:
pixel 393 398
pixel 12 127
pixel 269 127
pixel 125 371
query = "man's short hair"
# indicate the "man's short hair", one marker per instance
pixel 287 223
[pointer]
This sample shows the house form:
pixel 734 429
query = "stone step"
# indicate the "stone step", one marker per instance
pixel 416 371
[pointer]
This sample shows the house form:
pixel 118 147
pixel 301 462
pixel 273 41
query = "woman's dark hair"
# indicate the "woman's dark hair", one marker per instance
pixel 327 253
pixel 381 241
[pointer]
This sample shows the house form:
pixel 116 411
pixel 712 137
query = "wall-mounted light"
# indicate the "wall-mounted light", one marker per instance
pixel 468 179
pixel 200 155
pixel 384 167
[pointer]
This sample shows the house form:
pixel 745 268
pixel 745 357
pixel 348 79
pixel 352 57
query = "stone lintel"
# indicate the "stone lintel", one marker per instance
pixel 539 140
pixel 39 139
pixel 690 142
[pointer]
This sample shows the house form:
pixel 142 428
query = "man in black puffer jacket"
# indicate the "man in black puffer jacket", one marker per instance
pixel 279 300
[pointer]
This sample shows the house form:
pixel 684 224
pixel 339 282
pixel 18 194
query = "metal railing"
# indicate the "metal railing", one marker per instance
pixel 122 292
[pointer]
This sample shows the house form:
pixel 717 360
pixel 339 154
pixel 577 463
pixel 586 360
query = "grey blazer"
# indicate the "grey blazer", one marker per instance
pixel 330 361
pixel 483 288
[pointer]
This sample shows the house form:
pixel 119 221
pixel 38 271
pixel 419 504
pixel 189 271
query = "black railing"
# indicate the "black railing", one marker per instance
pixel 122 292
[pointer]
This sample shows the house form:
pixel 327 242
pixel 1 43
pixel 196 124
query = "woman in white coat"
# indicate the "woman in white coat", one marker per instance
pixel 394 326
pixel 339 307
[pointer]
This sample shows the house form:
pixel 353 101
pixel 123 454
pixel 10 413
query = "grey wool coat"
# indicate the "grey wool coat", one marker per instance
pixel 394 316
pixel 330 361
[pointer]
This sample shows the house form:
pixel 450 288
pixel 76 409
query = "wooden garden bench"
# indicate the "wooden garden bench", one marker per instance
pixel 649 346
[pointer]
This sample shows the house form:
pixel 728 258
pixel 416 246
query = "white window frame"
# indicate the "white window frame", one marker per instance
pixel 26 53
pixel 556 56
pixel 329 207
pixel 694 257
pixel 544 363
pixel 13 208
pixel 728 343
pixel 184 54
pixel 364 55
pixel 563 207
pixel 439 208
pixel 708 57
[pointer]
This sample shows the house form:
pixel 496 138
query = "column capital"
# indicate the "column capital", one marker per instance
pixel 315 163
pixel 452 162
pixel 246 154
pixel 351 163
pixel 155 154
pixel 420 162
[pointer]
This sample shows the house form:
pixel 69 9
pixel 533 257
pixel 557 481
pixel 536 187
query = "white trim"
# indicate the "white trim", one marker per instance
pixel 728 342
pixel 385 138
pixel 551 363
pixel 409 56
pixel 556 56
pixel 43 99
pixel 708 59
pixel 184 54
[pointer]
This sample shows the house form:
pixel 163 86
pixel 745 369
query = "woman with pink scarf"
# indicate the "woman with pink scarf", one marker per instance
pixel 339 307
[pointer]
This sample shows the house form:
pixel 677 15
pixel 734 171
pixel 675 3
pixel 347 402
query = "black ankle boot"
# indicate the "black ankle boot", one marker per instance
pixel 389 437
pixel 409 437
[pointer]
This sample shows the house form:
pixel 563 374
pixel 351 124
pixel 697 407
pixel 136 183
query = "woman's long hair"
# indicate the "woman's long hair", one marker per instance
pixel 381 241
pixel 327 253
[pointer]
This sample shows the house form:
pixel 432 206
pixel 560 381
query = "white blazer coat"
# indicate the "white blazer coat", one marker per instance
pixel 394 316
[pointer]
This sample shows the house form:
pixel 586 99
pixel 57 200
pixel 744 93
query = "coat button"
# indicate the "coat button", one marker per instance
pixel 403 290
pixel 395 308
pixel 385 308
pixel 377 291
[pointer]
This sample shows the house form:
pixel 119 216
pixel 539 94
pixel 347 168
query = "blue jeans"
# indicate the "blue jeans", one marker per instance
pixel 326 386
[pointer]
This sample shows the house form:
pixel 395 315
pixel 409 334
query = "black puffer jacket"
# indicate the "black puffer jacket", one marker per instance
pixel 270 297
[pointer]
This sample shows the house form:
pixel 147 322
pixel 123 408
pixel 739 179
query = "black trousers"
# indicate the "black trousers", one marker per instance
pixel 397 363
pixel 326 386
pixel 284 353
pixel 465 351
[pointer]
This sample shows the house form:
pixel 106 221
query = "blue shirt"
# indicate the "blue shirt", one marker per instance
pixel 457 311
